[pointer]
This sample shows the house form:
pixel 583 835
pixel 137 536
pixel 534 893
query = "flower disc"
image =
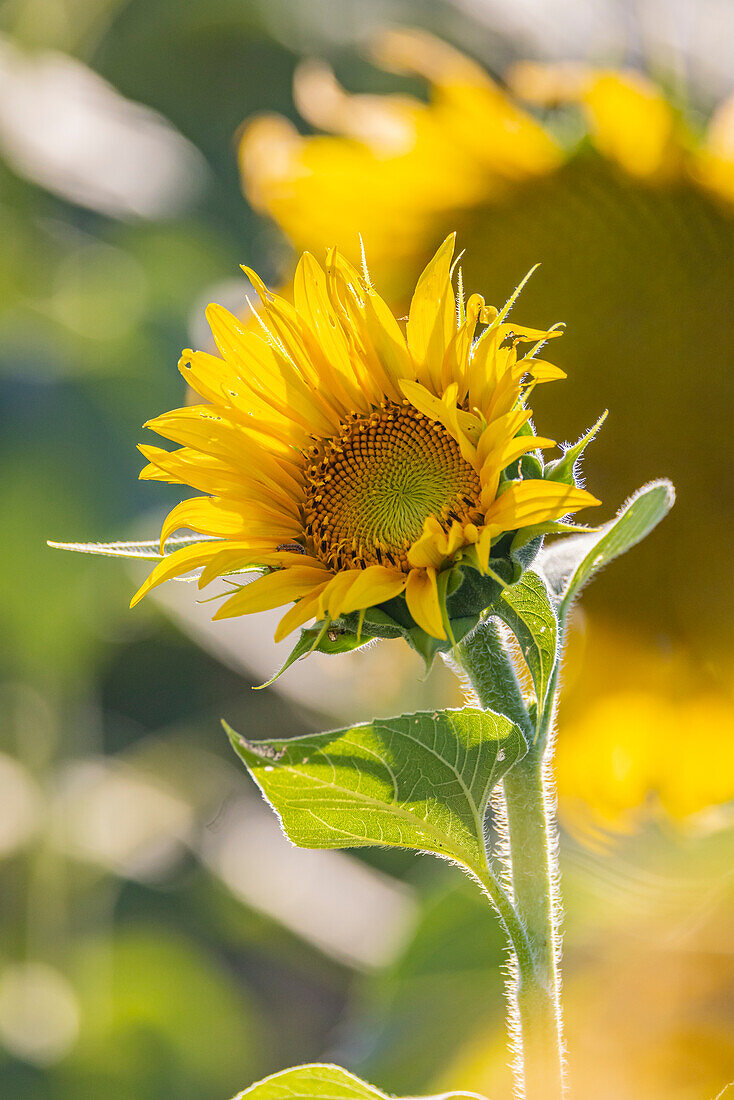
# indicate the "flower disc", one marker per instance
pixel 372 488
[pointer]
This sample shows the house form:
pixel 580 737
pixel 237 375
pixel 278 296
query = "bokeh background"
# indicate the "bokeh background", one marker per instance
pixel 159 937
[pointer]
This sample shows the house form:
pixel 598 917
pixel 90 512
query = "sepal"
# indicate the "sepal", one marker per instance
pixel 147 550
pixel 322 638
pixel 465 593
pixel 570 564
pixel 565 468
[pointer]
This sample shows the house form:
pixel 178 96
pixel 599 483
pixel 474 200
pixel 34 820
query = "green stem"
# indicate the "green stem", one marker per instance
pixel 508 915
pixel 532 866
pixel 533 861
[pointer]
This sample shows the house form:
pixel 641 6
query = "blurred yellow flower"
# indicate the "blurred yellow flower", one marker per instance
pixel 641 732
pixel 352 461
pixel 602 179
pixel 400 168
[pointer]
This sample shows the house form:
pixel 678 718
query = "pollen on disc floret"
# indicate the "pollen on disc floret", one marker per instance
pixel 371 488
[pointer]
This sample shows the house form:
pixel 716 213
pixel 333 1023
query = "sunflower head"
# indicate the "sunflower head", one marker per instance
pixel 403 168
pixel 383 479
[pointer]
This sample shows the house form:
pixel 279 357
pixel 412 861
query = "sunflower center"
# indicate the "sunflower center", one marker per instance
pixel 371 488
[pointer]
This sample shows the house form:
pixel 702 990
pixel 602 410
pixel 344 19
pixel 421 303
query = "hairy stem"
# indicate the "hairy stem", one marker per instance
pixel 532 868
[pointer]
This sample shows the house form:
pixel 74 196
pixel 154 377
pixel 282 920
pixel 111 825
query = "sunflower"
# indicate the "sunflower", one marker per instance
pixel 400 168
pixel 358 465
pixel 626 196
pixel 396 167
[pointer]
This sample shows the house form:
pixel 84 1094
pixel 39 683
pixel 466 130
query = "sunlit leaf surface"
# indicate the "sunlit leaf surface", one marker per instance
pixel 526 608
pixel 418 781
pixel 321 1082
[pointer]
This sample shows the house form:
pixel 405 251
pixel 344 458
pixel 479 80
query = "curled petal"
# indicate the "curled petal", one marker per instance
pixel 435 545
pixel 528 502
pixel 374 585
pixel 271 591
pixel 306 608
pixel 461 425
pixel 179 563
pixel 421 595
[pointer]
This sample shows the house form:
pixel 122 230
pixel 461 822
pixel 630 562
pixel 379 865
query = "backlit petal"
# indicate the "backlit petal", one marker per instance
pixel 432 317
pixel 374 585
pixel 177 564
pixel 529 502
pixel 306 608
pixel 271 591
pixel 421 595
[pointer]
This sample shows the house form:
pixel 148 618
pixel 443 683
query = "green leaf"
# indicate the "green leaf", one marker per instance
pixel 322 1082
pixel 419 781
pixel 145 551
pixel 526 608
pixel 570 564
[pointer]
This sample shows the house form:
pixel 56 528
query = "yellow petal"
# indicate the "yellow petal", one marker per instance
pixel 529 502
pixel 499 431
pixel 519 446
pixel 461 425
pixel 189 467
pixel 374 585
pixel 271 591
pixel 435 545
pixel 208 375
pixel 484 547
pixel 177 564
pixel 209 430
pixel 238 560
pixel 482 367
pixel 306 608
pixel 205 516
pixel 511 334
pixel 540 371
pixel 314 306
pixel 200 427
pixel 464 427
pixel 219 479
pixel 387 340
pixel 421 595
pixel 432 317
pixel 219 382
pixel 270 370
pixel 200 430
pixel 425 552
pixel 335 592
pixel 456 361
